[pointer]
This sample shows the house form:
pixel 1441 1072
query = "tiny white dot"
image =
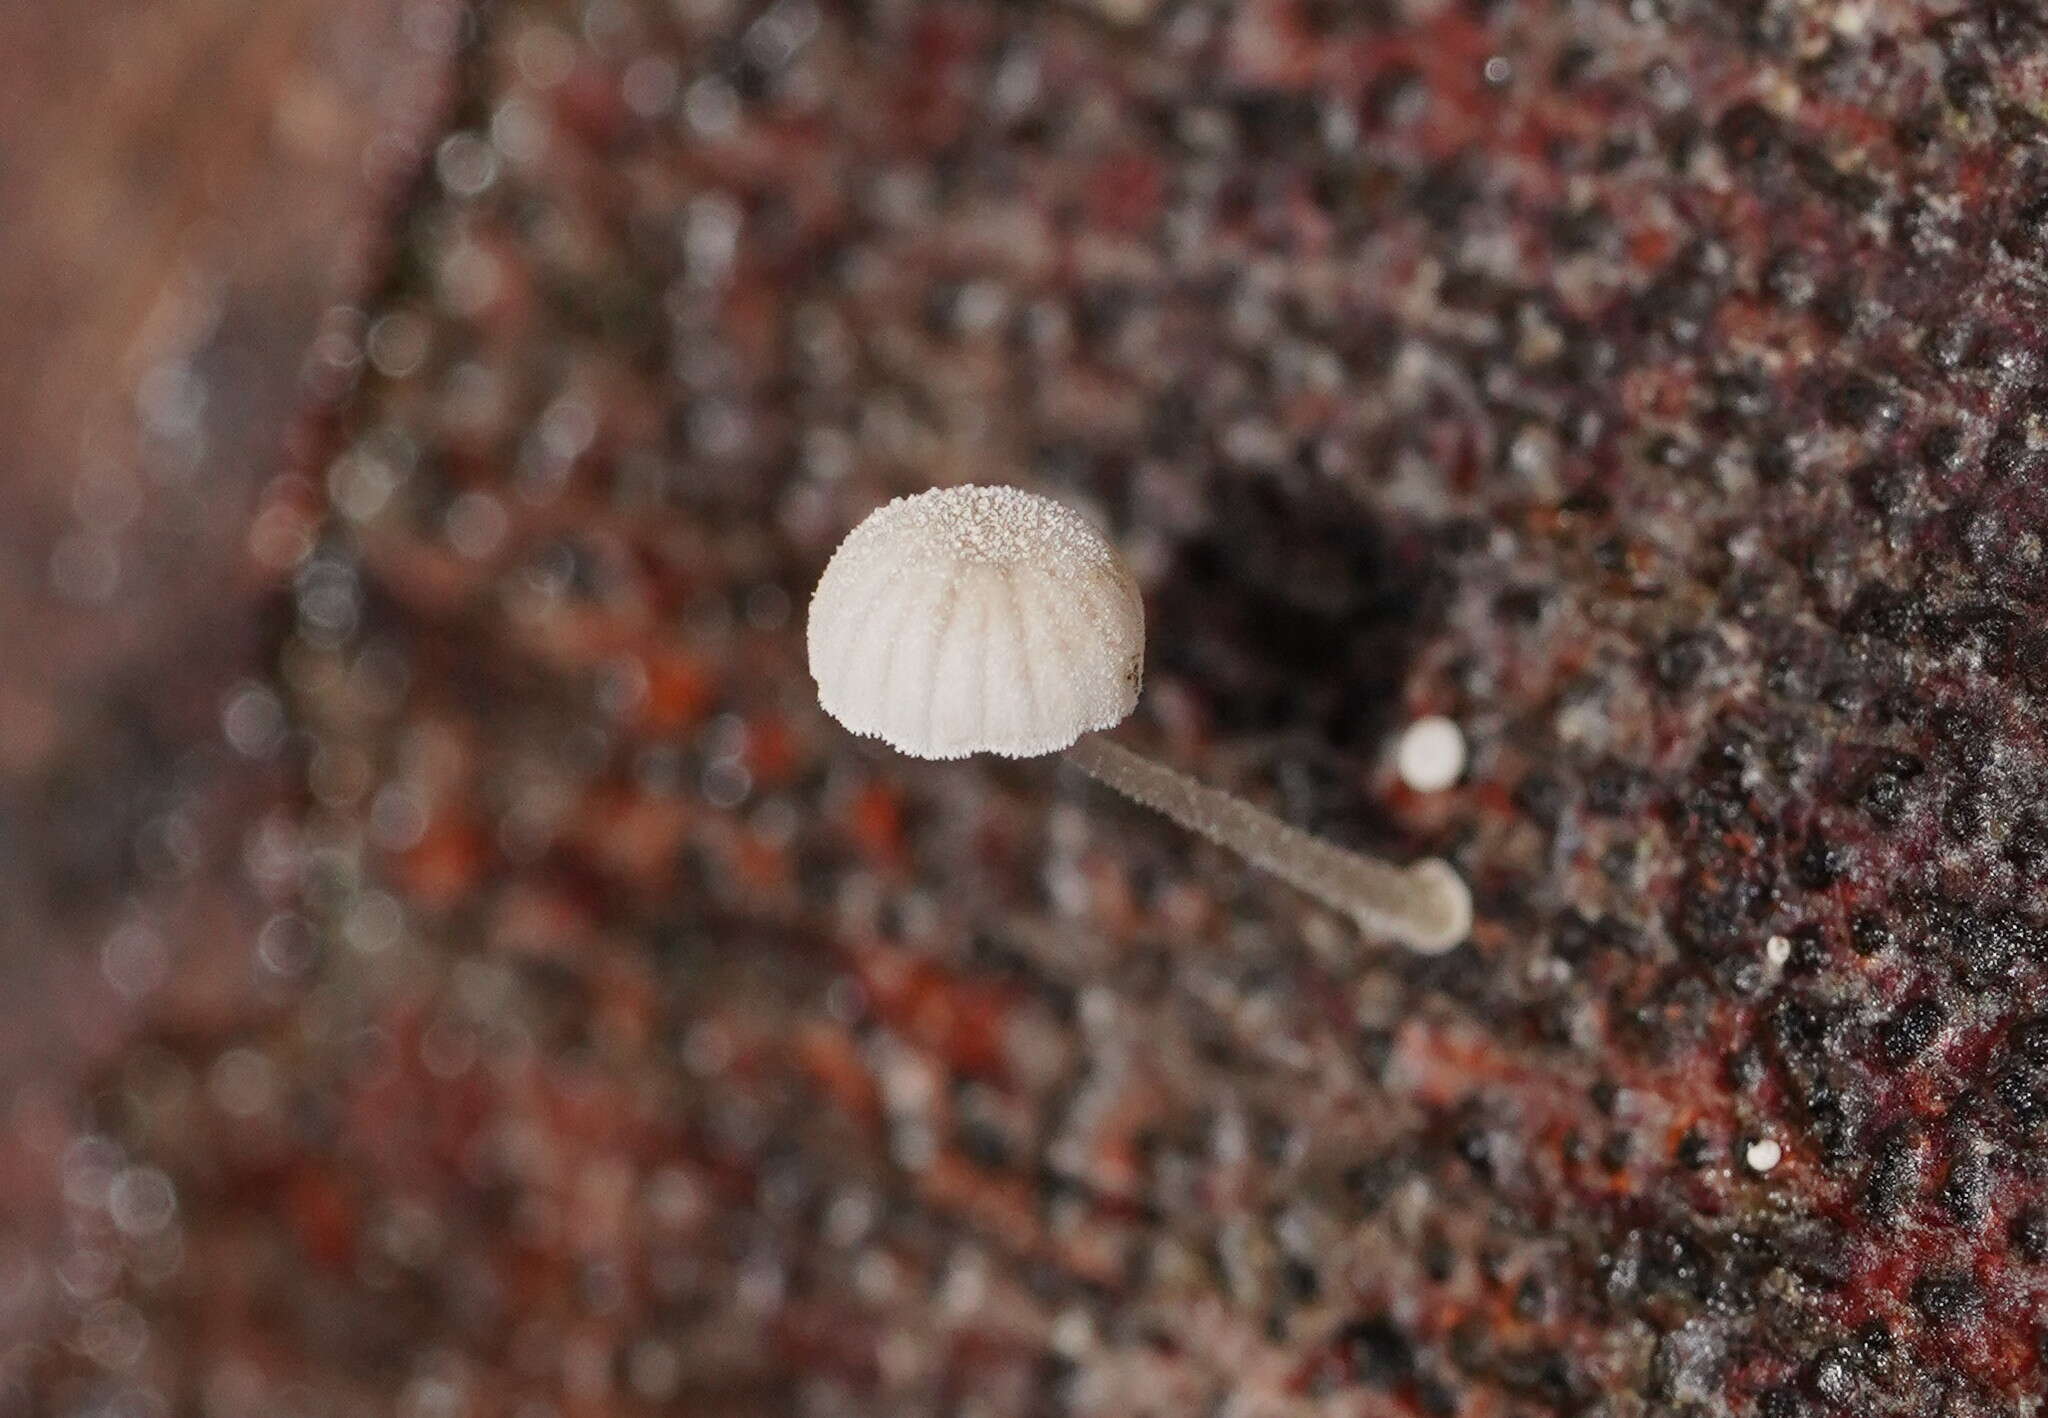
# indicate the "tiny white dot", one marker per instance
pixel 1763 1155
pixel 1431 754
pixel 1777 950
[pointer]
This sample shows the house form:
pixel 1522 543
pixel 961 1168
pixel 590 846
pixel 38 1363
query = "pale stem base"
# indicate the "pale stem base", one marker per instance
pixel 1425 906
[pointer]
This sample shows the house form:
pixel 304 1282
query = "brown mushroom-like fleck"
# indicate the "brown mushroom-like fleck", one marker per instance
pixel 992 620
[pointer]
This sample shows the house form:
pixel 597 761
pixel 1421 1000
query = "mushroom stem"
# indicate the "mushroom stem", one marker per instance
pixel 1425 906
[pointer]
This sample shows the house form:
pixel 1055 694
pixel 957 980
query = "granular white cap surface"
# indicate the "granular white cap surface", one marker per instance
pixel 977 620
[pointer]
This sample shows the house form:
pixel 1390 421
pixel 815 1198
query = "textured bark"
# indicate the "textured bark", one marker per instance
pixel 1654 388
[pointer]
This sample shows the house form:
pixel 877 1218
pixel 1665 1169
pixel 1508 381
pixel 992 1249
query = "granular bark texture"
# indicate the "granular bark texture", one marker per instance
pixel 1654 387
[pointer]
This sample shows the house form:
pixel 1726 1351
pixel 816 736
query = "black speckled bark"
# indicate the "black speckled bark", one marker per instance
pixel 1653 386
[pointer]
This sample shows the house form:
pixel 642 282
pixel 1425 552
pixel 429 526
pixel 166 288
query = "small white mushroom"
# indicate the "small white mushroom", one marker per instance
pixel 991 620
pixel 977 620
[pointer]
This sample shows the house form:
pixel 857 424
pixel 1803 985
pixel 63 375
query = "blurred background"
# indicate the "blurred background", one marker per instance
pixel 187 192
pixel 451 967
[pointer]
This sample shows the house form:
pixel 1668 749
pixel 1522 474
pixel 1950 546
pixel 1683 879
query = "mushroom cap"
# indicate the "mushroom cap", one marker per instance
pixel 977 620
